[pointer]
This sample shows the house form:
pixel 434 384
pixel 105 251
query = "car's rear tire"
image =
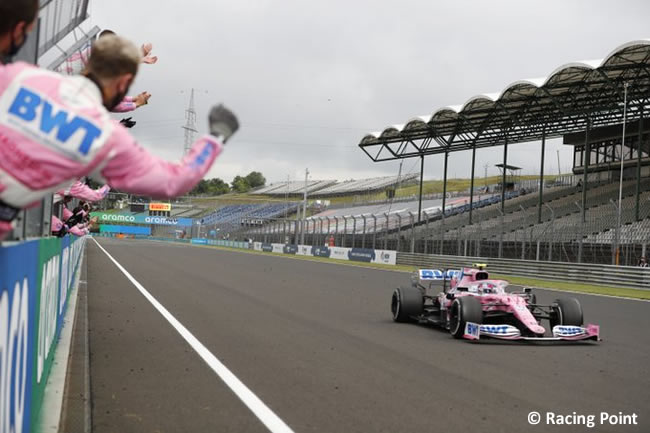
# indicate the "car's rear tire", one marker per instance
pixel 464 309
pixel 406 303
pixel 566 311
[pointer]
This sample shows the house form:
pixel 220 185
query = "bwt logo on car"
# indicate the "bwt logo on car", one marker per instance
pixel 14 322
pixel 497 329
pixel 568 330
pixel 436 274
pixel 25 109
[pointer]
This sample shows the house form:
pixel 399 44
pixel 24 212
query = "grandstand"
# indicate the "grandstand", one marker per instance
pixel 364 186
pixel 293 188
pixel 233 214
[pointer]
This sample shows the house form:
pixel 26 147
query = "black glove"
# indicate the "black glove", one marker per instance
pixel 127 122
pixel 223 122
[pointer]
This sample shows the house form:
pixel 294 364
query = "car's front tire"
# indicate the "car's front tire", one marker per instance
pixel 464 309
pixel 566 311
pixel 406 303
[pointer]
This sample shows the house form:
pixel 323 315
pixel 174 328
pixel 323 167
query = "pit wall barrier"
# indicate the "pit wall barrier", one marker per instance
pixel 221 243
pixel 36 279
pixel 366 255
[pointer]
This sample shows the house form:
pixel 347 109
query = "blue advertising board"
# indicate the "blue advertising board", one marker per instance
pixel 127 230
pixel 18 292
pixel 141 219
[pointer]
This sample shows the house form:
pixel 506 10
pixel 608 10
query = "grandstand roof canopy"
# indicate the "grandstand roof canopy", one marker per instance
pixel 508 167
pixel 526 110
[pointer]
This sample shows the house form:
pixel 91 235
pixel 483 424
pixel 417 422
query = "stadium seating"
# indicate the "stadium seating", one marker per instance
pixel 365 185
pixel 293 188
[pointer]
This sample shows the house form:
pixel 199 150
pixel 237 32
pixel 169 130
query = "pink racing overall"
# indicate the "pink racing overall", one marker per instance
pixel 54 130
pixel 82 191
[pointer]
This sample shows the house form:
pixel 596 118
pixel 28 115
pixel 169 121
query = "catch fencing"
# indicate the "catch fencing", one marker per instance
pixel 615 276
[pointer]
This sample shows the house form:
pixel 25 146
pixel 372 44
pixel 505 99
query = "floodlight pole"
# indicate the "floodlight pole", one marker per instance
pixel 620 180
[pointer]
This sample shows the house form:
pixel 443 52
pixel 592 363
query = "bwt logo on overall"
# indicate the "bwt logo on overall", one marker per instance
pixel 70 133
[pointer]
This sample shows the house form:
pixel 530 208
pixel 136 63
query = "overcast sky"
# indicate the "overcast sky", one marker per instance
pixel 308 79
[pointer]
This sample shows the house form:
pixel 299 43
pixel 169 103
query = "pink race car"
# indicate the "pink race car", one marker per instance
pixel 475 306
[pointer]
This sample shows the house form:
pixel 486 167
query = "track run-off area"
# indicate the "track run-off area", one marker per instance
pixel 189 339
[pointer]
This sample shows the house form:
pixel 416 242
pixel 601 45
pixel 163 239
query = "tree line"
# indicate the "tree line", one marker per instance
pixel 240 184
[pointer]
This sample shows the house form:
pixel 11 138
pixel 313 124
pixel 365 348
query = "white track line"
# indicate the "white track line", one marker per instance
pixel 261 411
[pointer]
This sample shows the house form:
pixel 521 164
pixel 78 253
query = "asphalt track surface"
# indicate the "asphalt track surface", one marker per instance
pixel 316 343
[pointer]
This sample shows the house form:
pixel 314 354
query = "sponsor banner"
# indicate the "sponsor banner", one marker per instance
pixel 354 254
pixel 386 257
pixel 200 241
pixel 129 230
pixel 160 206
pixel 321 251
pixel 141 219
pixel 290 249
pixel 304 250
pixel 18 292
pixel 361 255
pixel 339 253
pixel 35 282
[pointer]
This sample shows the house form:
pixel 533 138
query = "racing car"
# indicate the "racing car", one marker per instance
pixel 474 306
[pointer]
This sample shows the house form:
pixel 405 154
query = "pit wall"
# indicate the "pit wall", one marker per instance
pixel 36 279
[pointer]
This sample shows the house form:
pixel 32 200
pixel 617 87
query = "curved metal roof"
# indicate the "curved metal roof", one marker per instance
pixel 555 105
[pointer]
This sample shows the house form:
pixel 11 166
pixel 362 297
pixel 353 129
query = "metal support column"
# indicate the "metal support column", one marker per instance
pixel 399 231
pixel 471 185
pixel 503 176
pixel 412 217
pixel 336 231
pixel 426 232
pixel 585 166
pixel 374 230
pixel 541 179
pixel 363 240
pixel 638 166
pixel 354 230
pixel 444 186
pixel 421 180
pixel 386 231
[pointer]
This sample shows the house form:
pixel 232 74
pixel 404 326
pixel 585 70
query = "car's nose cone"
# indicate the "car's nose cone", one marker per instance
pixel 537 329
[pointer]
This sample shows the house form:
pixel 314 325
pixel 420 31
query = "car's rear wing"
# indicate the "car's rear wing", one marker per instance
pixel 424 276
pixel 437 274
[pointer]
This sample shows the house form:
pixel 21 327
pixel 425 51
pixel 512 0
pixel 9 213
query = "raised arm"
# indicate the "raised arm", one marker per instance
pixel 82 191
pixel 133 169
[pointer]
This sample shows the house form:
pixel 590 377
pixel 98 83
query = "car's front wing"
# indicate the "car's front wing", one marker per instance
pixel 474 331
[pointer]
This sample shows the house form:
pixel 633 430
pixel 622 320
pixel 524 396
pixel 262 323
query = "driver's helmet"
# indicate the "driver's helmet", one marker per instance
pixel 488 287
